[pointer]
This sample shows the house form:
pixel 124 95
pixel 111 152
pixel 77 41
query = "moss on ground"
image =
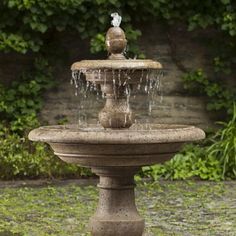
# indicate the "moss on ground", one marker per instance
pixel 170 208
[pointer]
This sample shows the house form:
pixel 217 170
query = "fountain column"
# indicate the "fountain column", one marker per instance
pixel 116 113
pixel 116 214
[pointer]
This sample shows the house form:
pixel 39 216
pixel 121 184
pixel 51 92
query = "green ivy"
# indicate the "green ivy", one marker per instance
pixel 29 25
pixel 19 105
pixel 25 22
pixel 220 97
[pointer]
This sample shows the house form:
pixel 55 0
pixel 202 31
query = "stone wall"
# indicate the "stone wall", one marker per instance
pixel 176 49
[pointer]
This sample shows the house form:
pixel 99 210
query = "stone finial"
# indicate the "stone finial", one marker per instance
pixel 115 39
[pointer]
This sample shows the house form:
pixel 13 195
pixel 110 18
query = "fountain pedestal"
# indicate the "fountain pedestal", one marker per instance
pixel 116 214
pixel 116 112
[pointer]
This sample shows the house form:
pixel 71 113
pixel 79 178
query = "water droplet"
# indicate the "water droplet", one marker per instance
pixel 119 72
pixel 146 88
pixel 99 75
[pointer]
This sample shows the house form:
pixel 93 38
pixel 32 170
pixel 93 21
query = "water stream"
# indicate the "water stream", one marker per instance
pixel 89 91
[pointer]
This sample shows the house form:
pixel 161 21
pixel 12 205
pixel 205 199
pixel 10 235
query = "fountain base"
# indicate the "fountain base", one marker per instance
pixel 116 214
pixel 115 156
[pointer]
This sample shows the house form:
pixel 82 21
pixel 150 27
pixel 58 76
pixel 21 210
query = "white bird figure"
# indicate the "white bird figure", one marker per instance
pixel 116 19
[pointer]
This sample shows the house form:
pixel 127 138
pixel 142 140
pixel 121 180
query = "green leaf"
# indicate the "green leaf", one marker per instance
pixel 225 2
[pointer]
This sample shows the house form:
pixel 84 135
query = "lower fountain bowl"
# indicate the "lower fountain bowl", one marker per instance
pixel 116 156
pixel 137 146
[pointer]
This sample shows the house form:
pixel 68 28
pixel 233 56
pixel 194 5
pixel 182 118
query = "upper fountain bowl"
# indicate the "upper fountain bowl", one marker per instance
pixel 124 64
pixel 118 72
pixel 116 77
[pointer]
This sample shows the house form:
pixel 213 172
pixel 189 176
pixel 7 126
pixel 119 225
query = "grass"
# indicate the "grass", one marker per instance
pixel 170 208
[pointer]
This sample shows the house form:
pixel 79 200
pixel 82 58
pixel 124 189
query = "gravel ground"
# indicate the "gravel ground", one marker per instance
pixel 41 208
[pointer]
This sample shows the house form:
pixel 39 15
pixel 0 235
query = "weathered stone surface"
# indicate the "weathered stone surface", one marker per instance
pixel 116 214
pixel 115 156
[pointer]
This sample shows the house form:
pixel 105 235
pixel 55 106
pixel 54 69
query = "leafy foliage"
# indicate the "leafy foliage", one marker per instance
pixel 219 96
pixel 20 158
pixel 224 147
pixel 32 21
pixel 25 23
pixel 19 106
pixel 20 103
pixel 215 160
pixel 30 26
pixel 191 162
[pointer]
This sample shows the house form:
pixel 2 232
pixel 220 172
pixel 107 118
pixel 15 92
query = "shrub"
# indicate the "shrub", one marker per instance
pixel 19 105
pixel 223 147
pixel 20 158
pixel 215 159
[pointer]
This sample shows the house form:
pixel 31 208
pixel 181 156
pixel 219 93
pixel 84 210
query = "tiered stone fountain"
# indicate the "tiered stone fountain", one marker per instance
pixel 114 151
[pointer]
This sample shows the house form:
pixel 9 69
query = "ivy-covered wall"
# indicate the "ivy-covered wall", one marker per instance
pixel 176 104
pixel 174 48
pixel 40 39
pixel 38 27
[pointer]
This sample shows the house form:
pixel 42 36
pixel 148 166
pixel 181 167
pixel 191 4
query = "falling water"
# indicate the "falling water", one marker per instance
pixel 88 94
pixel 149 83
pixel 119 73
